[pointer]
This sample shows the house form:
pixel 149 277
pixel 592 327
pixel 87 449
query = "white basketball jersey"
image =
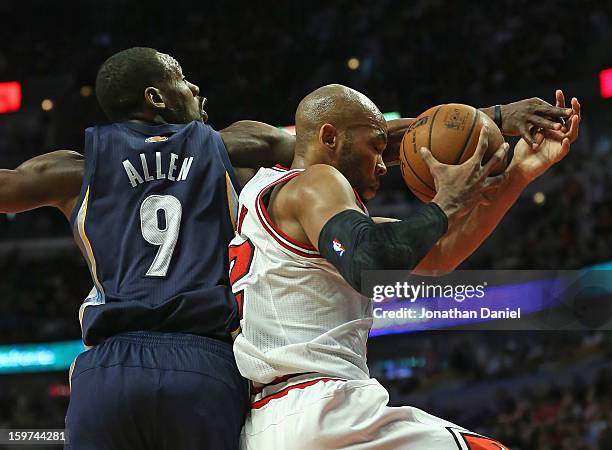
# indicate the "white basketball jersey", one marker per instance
pixel 298 314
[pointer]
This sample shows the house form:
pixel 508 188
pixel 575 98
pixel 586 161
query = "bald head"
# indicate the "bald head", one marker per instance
pixel 340 127
pixel 337 105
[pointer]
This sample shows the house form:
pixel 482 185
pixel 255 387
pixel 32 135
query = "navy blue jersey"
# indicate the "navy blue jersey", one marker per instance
pixel 154 218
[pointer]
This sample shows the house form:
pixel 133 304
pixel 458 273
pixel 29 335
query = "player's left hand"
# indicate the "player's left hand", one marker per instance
pixel 552 144
pixel 519 118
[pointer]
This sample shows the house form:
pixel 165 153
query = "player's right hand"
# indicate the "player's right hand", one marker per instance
pixel 553 145
pixel 460 188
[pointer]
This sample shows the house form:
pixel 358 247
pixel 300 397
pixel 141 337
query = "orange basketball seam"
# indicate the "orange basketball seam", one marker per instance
pixel 469 136
pixel 420 192
pixel 415 173
pixel 431 125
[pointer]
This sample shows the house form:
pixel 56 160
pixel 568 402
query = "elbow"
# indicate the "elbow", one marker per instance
pixel 429 269
pixel 436 264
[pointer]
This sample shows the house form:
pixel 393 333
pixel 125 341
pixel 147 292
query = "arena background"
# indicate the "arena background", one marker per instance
pixel 531 390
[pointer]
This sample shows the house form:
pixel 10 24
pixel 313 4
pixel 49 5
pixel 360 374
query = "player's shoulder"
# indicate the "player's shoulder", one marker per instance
pixel 321 176
pixel 322 170
pixel 318 181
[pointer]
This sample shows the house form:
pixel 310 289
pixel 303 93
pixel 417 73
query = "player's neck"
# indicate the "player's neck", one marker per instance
pixel 312 156
pixel 147 118
pixel 298 162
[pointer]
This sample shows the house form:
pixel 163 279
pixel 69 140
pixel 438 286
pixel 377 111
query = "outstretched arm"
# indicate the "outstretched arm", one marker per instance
pixel 467 234
pixel 52 179
pixel 253 145
pixel 323 203
pixel 517 119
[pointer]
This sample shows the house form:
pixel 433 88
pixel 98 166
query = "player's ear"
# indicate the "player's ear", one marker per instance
pixel 154 98
pixel 328 136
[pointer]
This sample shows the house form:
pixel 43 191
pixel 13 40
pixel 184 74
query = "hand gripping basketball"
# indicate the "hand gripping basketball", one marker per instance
pixel 451 133
pixel 460 188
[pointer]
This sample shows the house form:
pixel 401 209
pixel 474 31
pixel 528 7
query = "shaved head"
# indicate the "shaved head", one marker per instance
pixel 343 128
pixel 338 105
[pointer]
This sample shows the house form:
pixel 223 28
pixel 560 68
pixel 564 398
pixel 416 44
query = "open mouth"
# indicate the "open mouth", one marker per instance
pixel 203 113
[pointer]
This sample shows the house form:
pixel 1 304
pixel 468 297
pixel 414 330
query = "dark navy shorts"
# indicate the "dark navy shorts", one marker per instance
pixel 150 391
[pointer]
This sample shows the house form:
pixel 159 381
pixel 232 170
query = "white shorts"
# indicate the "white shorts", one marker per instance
pixel 323 413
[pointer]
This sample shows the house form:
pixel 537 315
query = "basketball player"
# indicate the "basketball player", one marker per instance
pixel 151 208
pixel 303 238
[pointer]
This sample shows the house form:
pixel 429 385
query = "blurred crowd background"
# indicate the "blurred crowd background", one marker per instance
pixel 532 390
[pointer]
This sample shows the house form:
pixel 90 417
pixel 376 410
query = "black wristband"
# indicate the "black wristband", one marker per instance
pixel 497 116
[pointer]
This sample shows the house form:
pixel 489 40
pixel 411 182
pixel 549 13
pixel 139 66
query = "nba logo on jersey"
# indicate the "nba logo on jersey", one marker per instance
pixel 156 139
pixel 338 247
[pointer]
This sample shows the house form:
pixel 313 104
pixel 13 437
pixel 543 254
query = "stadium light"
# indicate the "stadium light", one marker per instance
pixel 539 198
pixel 47 104
pixel 605 83
pixel 353 64
pixel 10 96
pixel 86 91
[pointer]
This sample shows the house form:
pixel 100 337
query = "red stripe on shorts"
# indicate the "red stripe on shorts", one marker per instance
pixel 264 401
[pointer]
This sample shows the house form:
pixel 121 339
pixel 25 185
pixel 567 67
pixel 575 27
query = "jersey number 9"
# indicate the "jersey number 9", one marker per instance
pixel 165 238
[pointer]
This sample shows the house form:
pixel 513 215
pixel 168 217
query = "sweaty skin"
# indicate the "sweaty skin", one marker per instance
pixel 333 127
pixel 54 179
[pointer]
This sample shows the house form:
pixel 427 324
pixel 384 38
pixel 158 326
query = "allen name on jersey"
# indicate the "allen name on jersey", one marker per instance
pixel 162 170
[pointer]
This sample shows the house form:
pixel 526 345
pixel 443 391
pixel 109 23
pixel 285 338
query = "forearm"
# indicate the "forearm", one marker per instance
pixel 396 130
pixel 489 111
pixel 253 145
pixel 352 242
pixel 53 179
pixel 244 174
pixel 10 200
pixel 464 236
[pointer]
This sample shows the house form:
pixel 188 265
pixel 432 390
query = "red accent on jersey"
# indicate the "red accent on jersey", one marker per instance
pixel 239 301
pixel 243 213
pixel 474 441
pixel 242 257
pixel 264 401
pixel 257 390
pixel 482 443
pixel 360 202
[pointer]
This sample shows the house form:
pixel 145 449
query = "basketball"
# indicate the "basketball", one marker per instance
pixel 451 133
